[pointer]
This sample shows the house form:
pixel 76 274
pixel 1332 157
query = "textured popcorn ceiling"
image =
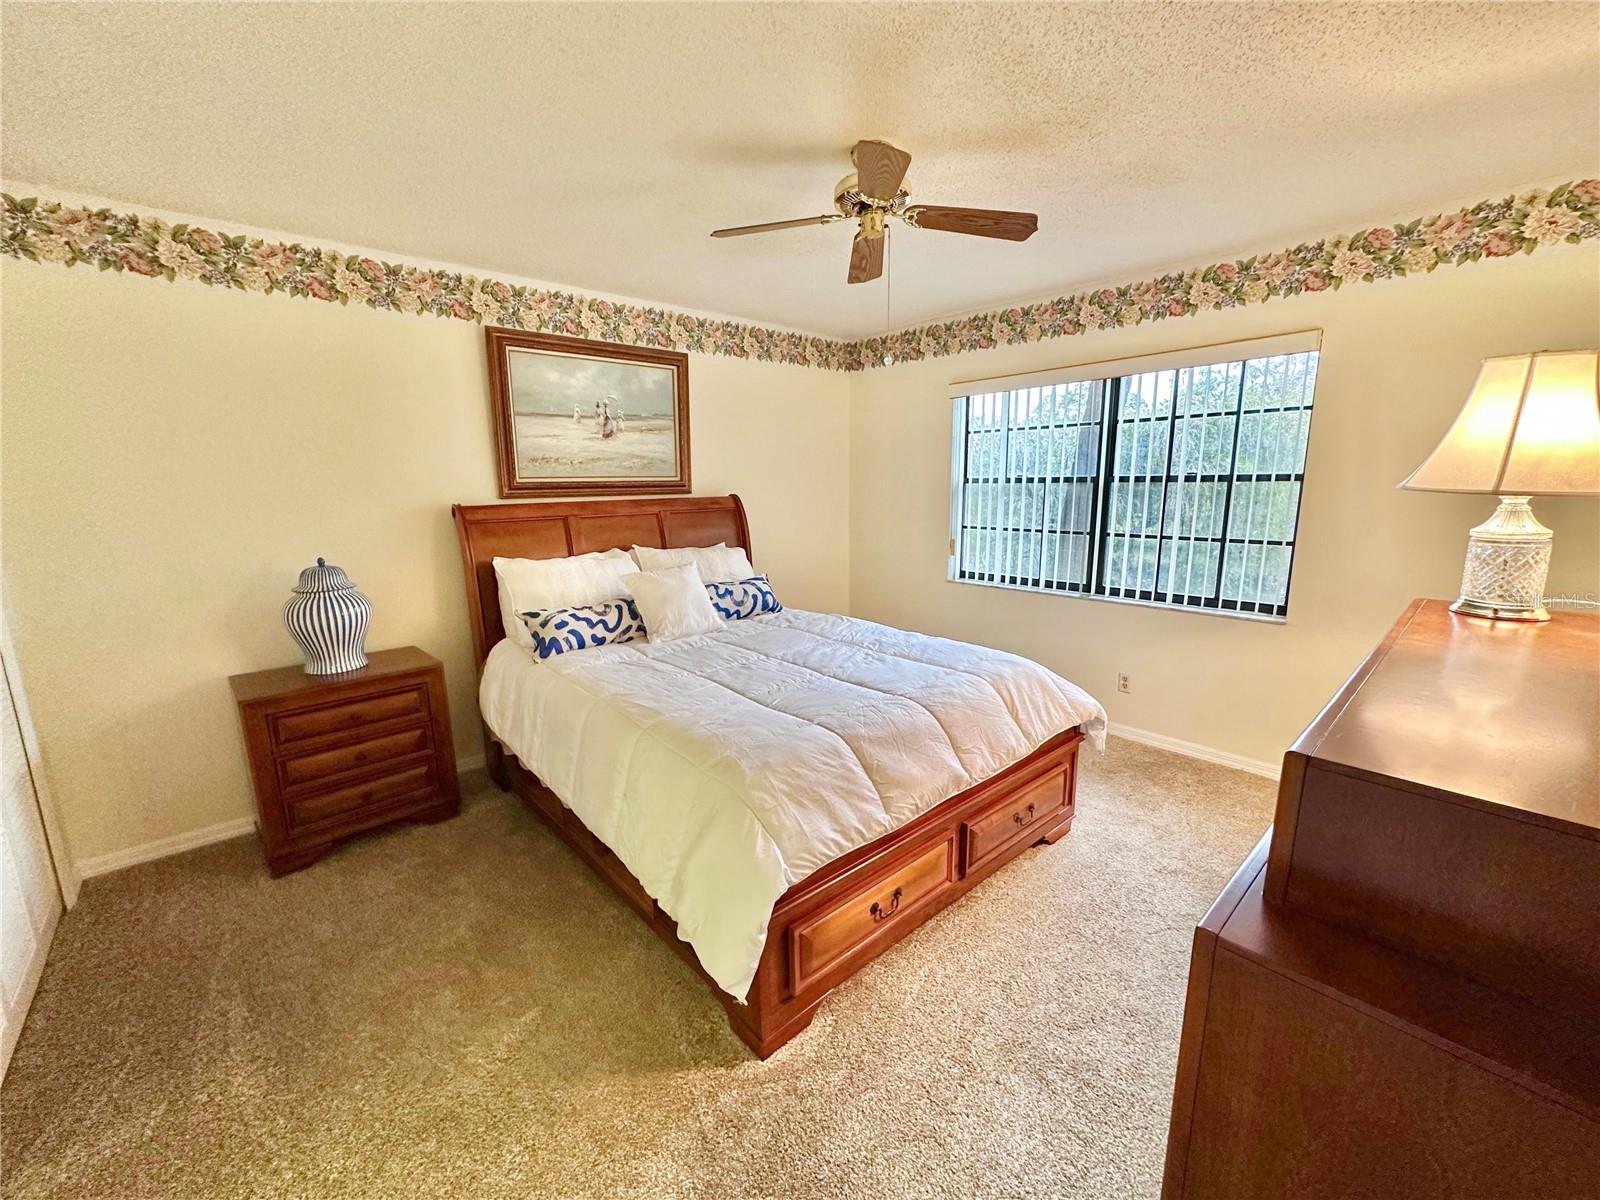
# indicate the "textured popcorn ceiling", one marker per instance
pixel 596 146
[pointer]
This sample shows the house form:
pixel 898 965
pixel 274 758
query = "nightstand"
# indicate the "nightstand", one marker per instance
pixel 332 756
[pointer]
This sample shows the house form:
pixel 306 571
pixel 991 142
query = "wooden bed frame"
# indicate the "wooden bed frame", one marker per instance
pixel 845 914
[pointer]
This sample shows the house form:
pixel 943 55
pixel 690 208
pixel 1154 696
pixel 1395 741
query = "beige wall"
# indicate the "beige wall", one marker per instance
pixel 173 455
pixel 1397 361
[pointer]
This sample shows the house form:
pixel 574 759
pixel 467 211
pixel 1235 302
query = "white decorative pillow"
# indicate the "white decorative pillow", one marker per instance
pixel 673 602
pixel 541 584
pixel 717 564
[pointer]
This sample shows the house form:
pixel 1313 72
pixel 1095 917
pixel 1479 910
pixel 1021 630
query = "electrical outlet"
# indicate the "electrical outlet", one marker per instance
pixel 1123 684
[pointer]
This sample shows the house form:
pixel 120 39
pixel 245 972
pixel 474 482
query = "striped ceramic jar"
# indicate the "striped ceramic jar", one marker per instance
pixel 328 618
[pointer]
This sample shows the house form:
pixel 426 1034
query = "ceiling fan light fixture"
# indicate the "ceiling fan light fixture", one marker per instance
pixel 875 191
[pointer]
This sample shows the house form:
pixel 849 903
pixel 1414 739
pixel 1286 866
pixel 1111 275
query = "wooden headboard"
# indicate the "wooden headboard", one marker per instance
pixel 538 530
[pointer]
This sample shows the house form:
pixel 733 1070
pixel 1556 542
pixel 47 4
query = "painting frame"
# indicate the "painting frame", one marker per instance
pixel 500 343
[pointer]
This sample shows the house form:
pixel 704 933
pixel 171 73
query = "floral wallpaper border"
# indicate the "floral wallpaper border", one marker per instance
pixel 48 231
pixel 1518 224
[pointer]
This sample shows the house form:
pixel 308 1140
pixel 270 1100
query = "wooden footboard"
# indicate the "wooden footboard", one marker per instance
pixel 844 915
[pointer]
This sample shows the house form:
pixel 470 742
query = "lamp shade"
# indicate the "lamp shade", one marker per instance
pixel 1531 427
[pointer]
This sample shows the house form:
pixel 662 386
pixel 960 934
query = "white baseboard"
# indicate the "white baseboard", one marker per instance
pixel 1194 750
pixel 103 864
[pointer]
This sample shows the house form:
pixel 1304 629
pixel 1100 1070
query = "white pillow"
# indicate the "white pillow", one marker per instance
pixel 718 564
pixel 536 584
pixel 673 602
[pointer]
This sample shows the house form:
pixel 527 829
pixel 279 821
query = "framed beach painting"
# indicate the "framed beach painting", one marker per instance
pixel 581 418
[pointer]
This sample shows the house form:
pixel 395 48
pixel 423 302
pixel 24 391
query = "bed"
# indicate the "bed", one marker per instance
pixel 785 798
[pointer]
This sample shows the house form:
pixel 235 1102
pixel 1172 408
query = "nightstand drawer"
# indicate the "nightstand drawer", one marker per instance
pixel 377 794
pixel 337 718
pixel 303 769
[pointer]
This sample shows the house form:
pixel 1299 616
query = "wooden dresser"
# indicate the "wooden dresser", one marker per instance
pixel 1398 995
pixel 332 756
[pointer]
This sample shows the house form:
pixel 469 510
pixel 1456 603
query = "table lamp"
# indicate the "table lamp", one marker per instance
pixel 1530 427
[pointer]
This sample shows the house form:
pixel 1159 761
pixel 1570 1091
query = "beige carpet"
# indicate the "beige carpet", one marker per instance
pixel 462 1010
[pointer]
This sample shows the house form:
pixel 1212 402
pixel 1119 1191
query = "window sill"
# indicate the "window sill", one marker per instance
pixel 1258 618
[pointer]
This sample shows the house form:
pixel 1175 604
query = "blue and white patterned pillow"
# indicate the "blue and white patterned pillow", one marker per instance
pixel 557 630
pixel 743 598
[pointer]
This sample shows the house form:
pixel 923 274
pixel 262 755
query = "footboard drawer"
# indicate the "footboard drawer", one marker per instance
pixel 1032 810
pixel 869 915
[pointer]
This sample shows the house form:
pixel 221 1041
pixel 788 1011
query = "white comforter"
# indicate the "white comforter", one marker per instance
pixel 726 767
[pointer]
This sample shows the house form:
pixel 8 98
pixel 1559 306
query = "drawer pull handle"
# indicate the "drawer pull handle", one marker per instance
pixel 880 913
pixel 1022 820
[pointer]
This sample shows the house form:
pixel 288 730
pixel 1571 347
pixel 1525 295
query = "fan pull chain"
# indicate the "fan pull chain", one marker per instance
pixel 888 292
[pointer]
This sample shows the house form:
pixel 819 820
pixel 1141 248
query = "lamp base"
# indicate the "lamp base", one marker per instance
pixel 1508 561
pixel 1472 608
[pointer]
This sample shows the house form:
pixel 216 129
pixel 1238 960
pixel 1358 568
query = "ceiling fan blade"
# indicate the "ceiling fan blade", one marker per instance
pixel 866 258
pixel 740 230
pixel 880 168
pixel 982 222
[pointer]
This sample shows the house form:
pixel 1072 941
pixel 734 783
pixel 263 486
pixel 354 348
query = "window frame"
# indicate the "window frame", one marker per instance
pixel 1111 379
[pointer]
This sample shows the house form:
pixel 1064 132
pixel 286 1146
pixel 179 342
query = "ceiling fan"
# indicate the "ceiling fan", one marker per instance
pixel 875 191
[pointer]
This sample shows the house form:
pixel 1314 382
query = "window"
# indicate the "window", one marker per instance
pixel 1160 480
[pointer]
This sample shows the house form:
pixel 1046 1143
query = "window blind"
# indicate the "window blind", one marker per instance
pixel 1163 480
